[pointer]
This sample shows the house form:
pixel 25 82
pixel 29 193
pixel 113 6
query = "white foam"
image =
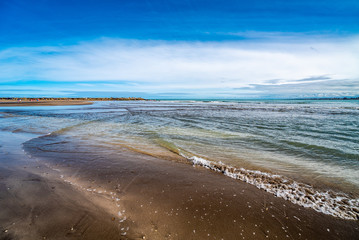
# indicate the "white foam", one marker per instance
pixel 328 202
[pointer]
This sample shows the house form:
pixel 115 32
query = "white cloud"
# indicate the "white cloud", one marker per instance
pixel 166 66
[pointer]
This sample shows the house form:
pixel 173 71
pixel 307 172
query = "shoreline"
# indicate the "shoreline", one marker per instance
pixel 64 185
pixel 159 199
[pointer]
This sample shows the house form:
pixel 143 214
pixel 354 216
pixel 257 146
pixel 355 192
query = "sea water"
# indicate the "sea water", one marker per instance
pixel 305 151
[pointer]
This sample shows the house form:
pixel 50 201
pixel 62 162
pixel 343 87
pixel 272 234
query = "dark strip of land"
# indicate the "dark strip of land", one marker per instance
pixel 14 102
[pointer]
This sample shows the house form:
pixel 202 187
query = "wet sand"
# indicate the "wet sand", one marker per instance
pixel 11 103
pixel 35 205
pixel 66 189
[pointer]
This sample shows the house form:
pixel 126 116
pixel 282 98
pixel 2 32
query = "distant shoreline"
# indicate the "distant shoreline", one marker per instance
pixel 16 102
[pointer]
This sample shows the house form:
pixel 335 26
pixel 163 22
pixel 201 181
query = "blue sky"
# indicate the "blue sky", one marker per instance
pixel 179 49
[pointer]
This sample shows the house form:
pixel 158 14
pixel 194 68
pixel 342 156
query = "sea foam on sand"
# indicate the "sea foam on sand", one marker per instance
pixel 328 202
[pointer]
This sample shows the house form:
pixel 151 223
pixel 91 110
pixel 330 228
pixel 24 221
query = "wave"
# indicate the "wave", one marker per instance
pixel 328 202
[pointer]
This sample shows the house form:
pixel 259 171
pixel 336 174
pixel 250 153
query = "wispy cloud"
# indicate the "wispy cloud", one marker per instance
pixel 313 79
pixel 188 67
pixel 325 88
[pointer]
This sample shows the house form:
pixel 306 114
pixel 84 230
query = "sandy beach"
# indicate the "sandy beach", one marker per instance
pixel 90 192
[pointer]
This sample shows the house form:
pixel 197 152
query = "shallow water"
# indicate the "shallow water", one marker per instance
pixel 313 143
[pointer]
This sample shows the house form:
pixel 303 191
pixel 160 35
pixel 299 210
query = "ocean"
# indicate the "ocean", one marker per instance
pixel 305 151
